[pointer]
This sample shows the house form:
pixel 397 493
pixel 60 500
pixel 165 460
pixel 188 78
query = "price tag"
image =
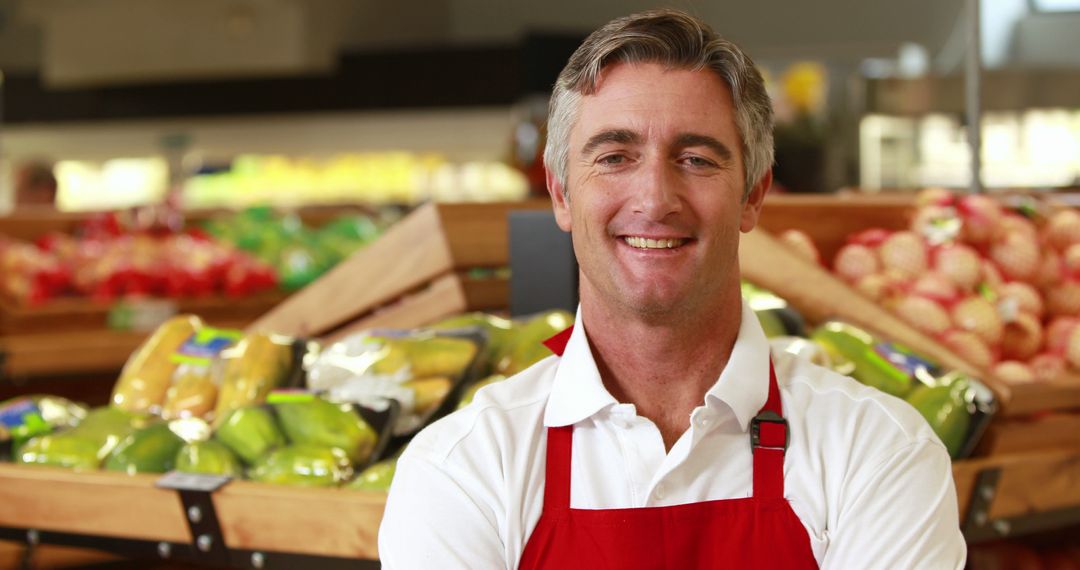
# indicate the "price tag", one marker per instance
pixel 192 481
pixel 143 315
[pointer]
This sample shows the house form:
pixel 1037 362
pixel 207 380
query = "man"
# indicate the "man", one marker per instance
pixel 661 438
pixel 35 185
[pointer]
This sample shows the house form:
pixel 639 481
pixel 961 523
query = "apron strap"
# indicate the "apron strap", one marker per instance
pixel 560 447
pixel 769 440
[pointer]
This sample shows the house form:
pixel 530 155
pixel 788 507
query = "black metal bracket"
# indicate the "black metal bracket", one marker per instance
pixel 977 520
pixel 979 527
pixel 205 528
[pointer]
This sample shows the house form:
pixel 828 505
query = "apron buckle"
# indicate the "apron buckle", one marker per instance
pixel 771 435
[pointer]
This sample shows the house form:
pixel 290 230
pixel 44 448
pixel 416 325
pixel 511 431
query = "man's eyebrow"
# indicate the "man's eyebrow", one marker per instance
pixel 623 136
pixel 692 139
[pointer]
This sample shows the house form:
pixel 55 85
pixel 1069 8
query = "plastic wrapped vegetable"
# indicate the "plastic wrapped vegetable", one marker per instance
pixel 418 369
pixel 152 449
pixel 376 477
pixel 60 450
pixel 148 373
pixel 24 417
pixel 303 465
pixel 193 390
pixel 209 457
pixel 315 421
pixel 253 367
pixel 250 433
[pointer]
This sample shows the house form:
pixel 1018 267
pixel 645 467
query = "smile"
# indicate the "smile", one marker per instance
pixel 649 243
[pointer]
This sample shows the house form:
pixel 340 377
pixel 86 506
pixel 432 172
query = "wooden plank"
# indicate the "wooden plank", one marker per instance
pixel 80 313
pixel 327 522
pixel 829 219
pixel 67 352
pixel 820 296
pixel 1029 434
pixel 94 503
pixel 47 556
pixel 479 234
pixel 1062 393
pixel 443 298
pixel 408 255
pixel 489 294
pixel 1030 482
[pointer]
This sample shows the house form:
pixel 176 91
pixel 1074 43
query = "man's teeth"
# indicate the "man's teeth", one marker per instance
pixel 646 243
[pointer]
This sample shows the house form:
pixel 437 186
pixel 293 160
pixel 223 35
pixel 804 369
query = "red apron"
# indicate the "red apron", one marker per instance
pixel 756 532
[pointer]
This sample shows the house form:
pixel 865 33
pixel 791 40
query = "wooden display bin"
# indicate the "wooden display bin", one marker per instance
pixel 416 273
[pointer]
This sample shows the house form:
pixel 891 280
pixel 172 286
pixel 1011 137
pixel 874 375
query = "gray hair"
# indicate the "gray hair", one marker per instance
pixel 679 41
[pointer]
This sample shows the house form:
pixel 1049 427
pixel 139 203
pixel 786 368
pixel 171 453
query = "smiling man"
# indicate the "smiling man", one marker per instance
pixel 664 434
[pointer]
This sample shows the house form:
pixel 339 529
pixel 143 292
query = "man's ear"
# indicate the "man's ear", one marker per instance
pixel 752 205
pixel 559 202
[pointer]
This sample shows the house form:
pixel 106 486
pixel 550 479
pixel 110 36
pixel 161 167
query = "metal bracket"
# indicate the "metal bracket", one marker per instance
pixel 977 521
pixel 979 527
pixel 196 495
pixel 205 528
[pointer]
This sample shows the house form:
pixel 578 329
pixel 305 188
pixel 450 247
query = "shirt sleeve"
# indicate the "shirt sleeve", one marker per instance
pixel 431 521
pixel 901 514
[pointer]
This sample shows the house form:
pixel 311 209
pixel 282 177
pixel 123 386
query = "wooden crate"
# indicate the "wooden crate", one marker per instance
pixel 819 296
pixel 417 272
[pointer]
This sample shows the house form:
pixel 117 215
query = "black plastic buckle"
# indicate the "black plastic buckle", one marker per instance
pixel 767 417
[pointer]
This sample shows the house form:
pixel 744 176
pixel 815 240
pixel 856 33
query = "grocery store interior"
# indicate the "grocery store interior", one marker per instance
pixel 249 248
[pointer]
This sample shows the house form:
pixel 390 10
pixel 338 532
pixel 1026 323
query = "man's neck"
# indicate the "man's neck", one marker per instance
pixel 662 367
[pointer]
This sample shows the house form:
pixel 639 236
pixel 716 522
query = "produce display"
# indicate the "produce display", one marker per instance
pixel 196 398
pixel 997 285
pixel 956 406
pixel 236 255
pixel 298 254
pixel 106 265
pixel 200 399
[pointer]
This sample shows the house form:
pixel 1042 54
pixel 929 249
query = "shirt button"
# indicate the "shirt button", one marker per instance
pixel 660 492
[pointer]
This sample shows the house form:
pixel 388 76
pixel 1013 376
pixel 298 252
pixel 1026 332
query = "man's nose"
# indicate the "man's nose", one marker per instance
pixel 659 192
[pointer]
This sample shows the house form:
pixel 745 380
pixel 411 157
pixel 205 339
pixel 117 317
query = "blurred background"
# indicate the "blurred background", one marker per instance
pixel 229 103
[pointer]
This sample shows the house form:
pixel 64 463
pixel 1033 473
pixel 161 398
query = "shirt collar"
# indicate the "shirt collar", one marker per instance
pixel 578 392
pixel 743 385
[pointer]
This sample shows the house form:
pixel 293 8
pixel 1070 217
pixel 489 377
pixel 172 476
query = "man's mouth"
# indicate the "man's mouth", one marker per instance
pixel 650 243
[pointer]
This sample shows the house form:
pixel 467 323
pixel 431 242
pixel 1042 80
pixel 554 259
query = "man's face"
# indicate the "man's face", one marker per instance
pixel 655 182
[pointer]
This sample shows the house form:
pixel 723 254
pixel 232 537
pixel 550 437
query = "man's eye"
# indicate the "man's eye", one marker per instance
pixel 612 159
pixel 698 161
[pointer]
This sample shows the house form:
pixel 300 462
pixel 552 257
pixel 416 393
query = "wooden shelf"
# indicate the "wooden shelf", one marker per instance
pixel 253 516
pixel 344 523
pixel 71 336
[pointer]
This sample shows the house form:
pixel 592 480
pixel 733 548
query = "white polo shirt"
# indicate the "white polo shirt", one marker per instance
pixel 864 473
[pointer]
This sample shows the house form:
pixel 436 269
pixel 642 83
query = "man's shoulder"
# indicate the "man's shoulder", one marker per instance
pixel 828 400
pixel 509 412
